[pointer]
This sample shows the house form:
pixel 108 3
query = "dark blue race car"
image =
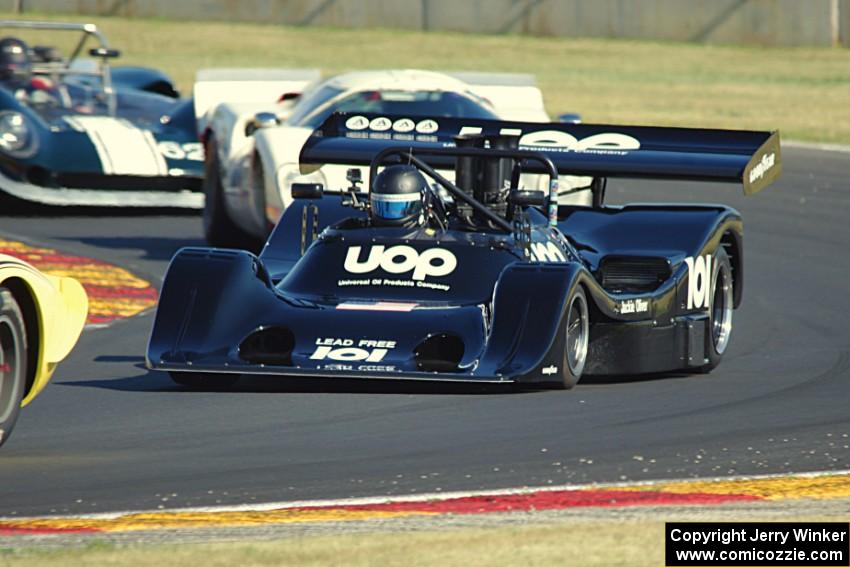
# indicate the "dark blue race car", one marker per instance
pixel 477 280
pixel 76 131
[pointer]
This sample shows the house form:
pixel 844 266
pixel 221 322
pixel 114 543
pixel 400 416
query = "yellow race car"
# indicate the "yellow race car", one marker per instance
pixel 41 317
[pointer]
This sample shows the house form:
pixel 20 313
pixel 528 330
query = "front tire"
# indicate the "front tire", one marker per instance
pixel 219 228
pixel 13 362
pixel 720 311
pixel 204 380
pixel 576 339
pixel 258 181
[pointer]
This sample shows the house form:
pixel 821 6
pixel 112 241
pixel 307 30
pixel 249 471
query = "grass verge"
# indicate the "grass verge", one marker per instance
pixel 609 543
pixel 581 544
pixel 804 92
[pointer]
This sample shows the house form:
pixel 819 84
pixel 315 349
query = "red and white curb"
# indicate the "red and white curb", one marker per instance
pixel 687 492
pixel 114 292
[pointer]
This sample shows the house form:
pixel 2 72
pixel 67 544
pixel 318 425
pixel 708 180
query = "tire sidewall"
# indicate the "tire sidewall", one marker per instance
pixel 212 190
pixel 13 352
pixel 258 172
pixel 720 259
pixel 567 378
pixel 219 229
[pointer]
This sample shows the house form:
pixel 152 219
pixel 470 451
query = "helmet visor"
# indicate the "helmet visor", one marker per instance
pixel 396 207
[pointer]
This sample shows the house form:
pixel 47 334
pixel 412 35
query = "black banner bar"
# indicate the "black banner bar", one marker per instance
pixel 806 544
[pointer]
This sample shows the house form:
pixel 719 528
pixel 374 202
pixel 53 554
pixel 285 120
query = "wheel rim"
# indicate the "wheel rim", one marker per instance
pixel 577 327
pixel 721 308
pixel 10 368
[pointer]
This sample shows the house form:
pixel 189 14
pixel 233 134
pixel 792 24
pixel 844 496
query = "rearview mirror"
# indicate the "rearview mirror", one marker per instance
pixel 307 190
pixel 528 198
pixel 569 118
pixel 261 120
pixel 104 52
pixel 289 96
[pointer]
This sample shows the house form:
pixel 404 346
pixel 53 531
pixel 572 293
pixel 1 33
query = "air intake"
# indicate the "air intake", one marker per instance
pixel 632 274
pixel 270 345
pixel 439 353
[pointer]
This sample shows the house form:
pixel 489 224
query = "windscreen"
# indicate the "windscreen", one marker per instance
pixel 310 101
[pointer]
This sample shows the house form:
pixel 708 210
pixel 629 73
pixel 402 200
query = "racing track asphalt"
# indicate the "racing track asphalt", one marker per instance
pixel 110 435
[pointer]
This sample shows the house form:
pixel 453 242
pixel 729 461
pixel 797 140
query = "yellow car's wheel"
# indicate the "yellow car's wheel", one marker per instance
pixel 13 362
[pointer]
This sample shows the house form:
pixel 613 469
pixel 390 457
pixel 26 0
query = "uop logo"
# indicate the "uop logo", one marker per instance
pixel 758 171
pixel 558 139
pixel 400 259
pixel 699 281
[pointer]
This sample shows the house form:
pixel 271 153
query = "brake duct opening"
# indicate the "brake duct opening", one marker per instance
pixel 269 345
pixel 439 353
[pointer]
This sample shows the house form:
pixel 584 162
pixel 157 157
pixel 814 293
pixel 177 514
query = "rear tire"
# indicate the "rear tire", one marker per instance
pixel 13 362
pixel 204 380
pixel 720 311
pixel 576 339
pixel 219 228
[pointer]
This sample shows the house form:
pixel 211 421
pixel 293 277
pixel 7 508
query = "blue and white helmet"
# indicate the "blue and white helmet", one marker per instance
pixel 398 196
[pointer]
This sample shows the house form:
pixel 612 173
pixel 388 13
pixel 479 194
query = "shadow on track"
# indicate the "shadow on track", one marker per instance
pixel 156 381
pixel 13 206
pixel 627 378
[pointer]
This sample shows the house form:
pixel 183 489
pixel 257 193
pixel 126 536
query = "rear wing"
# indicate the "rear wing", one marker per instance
pixel 215 86
pixel 750 158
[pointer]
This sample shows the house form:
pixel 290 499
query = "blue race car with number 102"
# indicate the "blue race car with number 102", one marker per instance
pixel 478 280
pixel 76 131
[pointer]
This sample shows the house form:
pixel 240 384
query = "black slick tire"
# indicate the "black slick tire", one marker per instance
pixel 13 362
pixel 720 311
pixel 576 329
pixel 219 229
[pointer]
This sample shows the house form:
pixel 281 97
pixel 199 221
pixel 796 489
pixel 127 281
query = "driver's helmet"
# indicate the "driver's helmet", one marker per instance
pixel 398 196
pixel 15 63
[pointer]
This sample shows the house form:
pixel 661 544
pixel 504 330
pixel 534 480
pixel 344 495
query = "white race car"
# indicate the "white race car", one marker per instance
pixel 254 123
